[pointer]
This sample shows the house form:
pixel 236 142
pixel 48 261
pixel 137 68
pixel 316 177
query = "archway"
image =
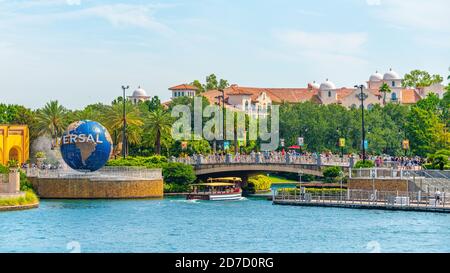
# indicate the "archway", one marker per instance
pixel 15 154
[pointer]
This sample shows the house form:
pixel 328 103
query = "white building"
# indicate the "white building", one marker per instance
pixel 139 95
pixel 183 90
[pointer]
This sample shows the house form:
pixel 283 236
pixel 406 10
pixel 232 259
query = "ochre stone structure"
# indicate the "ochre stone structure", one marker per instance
pixel 71 188
pixel 14 143
pixel 388 184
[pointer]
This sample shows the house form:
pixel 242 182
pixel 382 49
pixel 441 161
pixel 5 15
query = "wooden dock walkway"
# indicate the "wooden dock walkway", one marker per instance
pixel 364 205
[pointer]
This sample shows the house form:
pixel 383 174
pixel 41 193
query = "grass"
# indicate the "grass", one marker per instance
pixel 281 180
pixel 29 198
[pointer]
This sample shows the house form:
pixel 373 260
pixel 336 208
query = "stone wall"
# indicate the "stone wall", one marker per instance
pixel 387 184
pixel 56 188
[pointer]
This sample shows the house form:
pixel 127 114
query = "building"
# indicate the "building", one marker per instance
pixel 14 143
pixel 139 95
pixel 183 90
pixel 254 100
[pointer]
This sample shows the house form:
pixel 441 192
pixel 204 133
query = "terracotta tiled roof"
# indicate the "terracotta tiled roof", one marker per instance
pixel 344 92
pixel 277 95
pixel 212 96
pixel 410 96
pixel 184 87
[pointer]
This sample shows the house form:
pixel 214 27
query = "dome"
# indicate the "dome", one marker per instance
pixel 377 77
pixel 314 85
pixel 139 92
pixel 391 75
pixel 328 85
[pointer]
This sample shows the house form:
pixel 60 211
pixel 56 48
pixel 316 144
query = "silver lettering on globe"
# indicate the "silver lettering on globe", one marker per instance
pixel 81 138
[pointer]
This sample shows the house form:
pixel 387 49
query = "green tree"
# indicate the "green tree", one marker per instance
pixel 212 83
pixel 52 119
pixel 420 79
pixel 157 128
pixel 113 120
pixel 384 89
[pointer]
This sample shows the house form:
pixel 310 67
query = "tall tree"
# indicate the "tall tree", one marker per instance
pixel 113 120
pixel 158 124
pixel 52 119
pixel 212 83
pixel 420 79
pixel 384 89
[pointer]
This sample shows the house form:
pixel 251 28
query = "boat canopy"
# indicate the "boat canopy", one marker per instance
pixel 217 184
pixel 225 179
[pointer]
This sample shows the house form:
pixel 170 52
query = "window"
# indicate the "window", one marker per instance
pixel 246 106
pixel 393 83
pixel 394 96
pixel 329 94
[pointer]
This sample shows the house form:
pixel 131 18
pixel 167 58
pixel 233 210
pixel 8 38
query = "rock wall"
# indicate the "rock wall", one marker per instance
pixel 56 188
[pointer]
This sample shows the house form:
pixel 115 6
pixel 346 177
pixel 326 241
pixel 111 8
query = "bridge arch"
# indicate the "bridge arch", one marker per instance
pixel 215 169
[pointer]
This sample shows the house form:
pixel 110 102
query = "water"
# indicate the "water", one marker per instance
pixel 249 225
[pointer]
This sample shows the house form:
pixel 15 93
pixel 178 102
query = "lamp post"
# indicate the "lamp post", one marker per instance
pixel 124 131
pixel 361 96
pixel 223 117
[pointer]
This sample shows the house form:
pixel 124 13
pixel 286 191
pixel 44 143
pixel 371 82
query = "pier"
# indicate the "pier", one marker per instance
pixel 359 199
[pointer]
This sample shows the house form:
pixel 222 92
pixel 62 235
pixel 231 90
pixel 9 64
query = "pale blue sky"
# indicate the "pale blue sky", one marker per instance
pixel 82 51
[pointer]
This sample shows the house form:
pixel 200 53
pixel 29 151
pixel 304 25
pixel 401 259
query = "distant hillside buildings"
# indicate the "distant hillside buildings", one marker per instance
pixel 256 99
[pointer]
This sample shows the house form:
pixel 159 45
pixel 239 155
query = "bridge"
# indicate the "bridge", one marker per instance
pixel 244 165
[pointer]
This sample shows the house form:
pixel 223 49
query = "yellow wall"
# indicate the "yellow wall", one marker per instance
pixel 14 141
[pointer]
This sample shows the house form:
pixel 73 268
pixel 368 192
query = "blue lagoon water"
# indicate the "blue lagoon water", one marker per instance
pixel 249 225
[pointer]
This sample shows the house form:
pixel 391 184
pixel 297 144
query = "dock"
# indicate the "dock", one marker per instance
pixel 418 202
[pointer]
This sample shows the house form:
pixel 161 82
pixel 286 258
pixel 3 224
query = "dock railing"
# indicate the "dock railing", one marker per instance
pixel 368 198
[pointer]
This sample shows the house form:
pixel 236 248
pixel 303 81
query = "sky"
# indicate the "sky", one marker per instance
pixel 81 52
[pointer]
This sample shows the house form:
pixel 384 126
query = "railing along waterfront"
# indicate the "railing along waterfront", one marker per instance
pixel 263 159
pixel 397 173
pixel 361 198
pixel 103 173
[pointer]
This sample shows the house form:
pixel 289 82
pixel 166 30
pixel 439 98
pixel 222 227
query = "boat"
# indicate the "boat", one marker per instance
pixel 217 189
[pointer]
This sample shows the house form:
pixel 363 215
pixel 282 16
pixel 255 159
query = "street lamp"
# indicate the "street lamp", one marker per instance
pixel 223 117
pixel 124 134
pixel 361 96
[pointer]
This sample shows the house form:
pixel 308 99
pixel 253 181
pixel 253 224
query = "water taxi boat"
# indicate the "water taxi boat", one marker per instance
pixel 217 189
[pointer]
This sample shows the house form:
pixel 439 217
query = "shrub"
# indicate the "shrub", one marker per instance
pixel 178 173
pixel 364 164
pixel 3 169
pixel 258 183
pixel 438 160
pixel 13 163
pixel 25 184
pixel 29 198
pixel 175 188
pixel 332 173
pixel 40 154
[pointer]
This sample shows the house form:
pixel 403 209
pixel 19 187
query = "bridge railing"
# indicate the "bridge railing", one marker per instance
pixel 264 159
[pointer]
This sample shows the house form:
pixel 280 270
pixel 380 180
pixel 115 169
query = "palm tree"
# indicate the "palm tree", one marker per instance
pixel 113 120
pixel 385 90
pixel 158 128
pixel 52 119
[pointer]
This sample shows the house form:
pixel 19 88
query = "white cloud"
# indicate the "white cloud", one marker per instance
pixel 430 15
pixel 126 15
pixel 118 15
